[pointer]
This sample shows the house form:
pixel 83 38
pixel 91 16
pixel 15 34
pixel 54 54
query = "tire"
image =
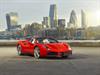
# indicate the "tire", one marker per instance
pixel 19 48
pixel 36 53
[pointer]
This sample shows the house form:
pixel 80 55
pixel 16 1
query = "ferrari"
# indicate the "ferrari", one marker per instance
pixel 43 47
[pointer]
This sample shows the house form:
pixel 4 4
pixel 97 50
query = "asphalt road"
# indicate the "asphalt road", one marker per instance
pixel 84 61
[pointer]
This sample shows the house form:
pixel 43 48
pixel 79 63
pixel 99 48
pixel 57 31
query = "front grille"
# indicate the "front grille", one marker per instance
pixel 52 53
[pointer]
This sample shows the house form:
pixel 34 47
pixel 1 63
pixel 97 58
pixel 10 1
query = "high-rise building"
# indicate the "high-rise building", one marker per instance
pixel 83 19
pixel 73 20
pixel 61 23
pixel 12 20
pixel 46 22
pixel 53 16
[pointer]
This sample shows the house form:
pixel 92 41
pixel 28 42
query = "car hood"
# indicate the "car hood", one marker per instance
pixel 58 47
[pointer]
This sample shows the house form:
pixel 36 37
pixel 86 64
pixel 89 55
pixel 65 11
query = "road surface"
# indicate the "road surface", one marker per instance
pixel 84 61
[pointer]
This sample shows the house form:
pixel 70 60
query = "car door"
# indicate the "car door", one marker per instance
pixel 31 44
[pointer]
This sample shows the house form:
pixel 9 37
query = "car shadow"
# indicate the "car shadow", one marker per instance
pixel 72 57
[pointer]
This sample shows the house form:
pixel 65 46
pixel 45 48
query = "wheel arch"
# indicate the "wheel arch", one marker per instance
pixel 35 46
pixel 43 51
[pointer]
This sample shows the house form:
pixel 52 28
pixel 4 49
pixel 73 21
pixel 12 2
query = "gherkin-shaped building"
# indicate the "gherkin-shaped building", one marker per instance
pixel 73 19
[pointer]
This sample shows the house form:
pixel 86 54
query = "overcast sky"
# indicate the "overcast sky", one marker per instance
pixel 34 10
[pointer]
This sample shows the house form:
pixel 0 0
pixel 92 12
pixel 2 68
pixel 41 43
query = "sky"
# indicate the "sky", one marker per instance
pixel 34 10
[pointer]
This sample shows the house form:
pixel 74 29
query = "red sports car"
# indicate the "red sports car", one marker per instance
pixel 43 47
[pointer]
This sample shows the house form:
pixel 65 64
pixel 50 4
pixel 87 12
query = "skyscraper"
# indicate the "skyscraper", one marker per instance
pixel 46 22
pixel 53 16
pixel 12 20
pixel 73 20
pixel 83 19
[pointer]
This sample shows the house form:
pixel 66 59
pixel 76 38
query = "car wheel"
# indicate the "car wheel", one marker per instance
pixel 19 48
pixel 36 53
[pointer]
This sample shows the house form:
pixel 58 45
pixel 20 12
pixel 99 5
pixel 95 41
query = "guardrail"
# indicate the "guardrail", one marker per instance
pixel 8 42
pixel 76 43
pixel 83 43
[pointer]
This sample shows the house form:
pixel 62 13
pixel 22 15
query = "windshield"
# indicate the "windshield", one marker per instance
pixel 47 40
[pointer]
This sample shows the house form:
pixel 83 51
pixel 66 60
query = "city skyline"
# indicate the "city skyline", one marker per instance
pixel 33 11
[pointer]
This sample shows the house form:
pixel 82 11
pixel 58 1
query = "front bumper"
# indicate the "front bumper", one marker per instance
pixel 59 54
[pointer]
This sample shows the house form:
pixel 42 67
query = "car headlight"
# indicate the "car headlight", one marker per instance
pixel 69 48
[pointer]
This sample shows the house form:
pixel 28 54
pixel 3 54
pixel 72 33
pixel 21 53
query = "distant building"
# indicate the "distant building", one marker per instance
pixel 46 22
pixel 61 23
pixel 73 20
pixel 27 29
pixel 5 35
pixel 53 16
pixel 12 21
pixel 83 19
pixel 80 34
pixel 50 32
pixel 33 29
